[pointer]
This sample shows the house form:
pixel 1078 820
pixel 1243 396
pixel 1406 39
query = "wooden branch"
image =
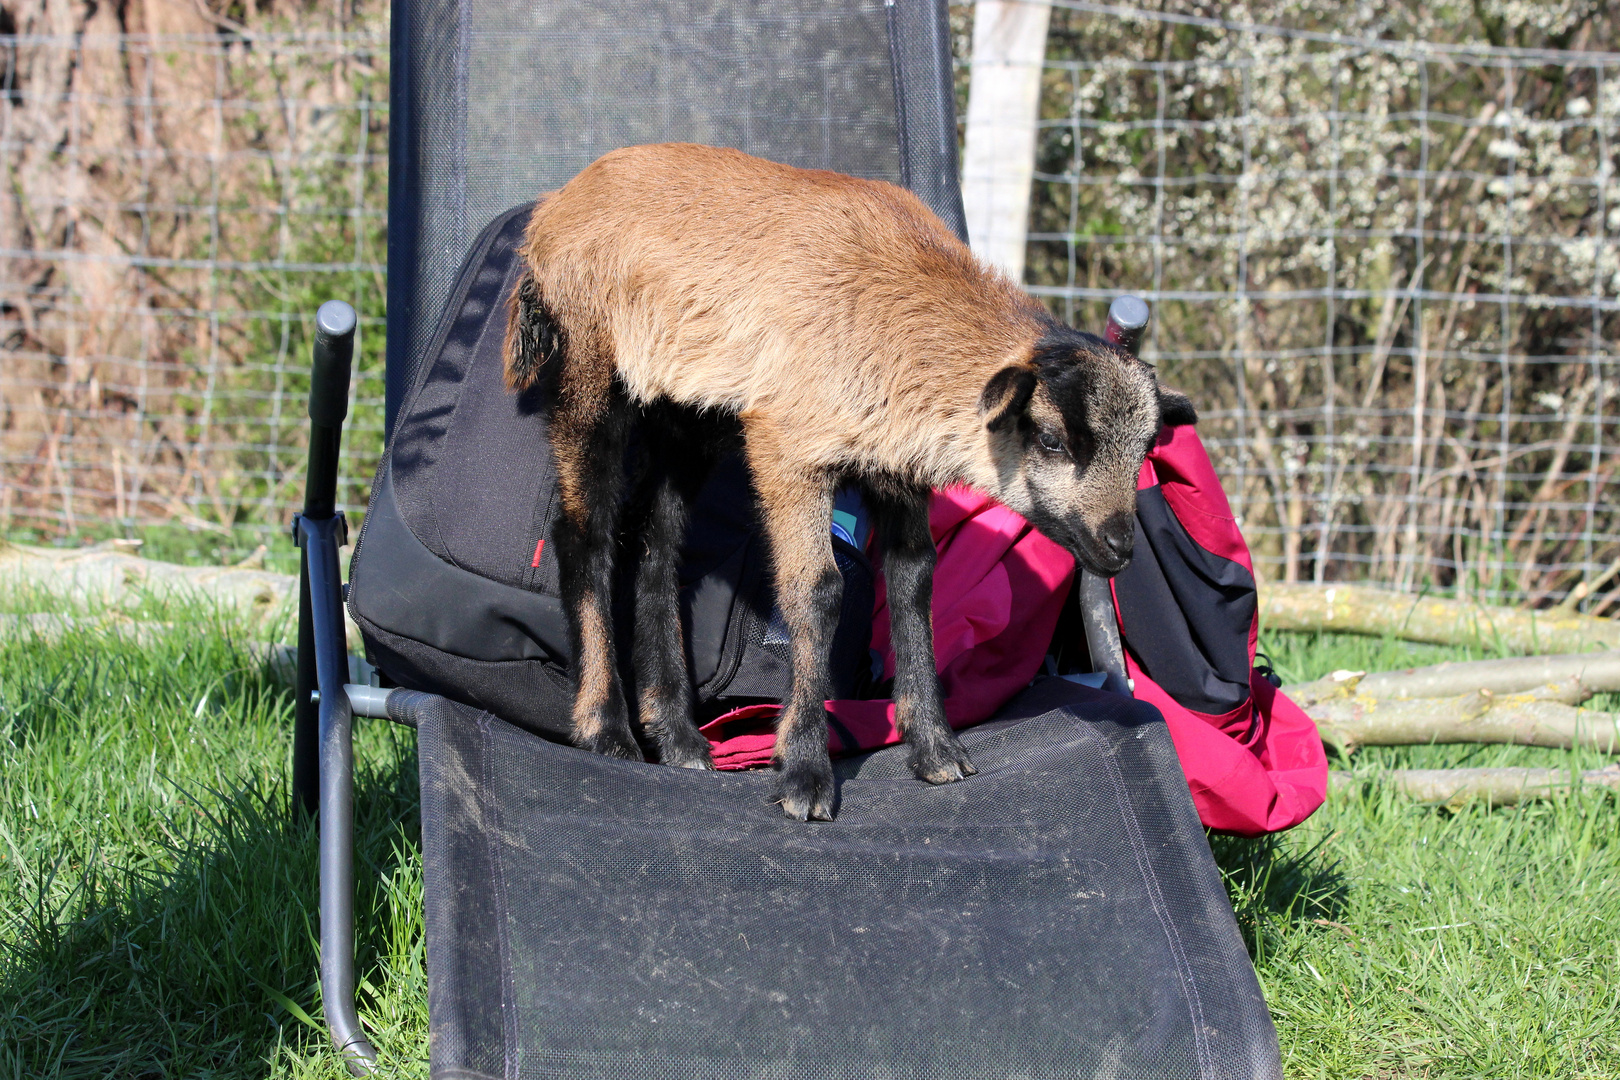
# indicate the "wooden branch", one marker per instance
pixel 1578 675
pixel 1501 787
pixel 108 574
pixel 1530 719
pixel 51 627
pixel 1358 609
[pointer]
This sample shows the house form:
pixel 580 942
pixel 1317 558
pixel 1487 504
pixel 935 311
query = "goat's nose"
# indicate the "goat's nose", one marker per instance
pixel 1120 535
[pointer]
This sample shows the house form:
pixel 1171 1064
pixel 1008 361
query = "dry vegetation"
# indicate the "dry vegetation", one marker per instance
pixel 182 186
pixel 1386 271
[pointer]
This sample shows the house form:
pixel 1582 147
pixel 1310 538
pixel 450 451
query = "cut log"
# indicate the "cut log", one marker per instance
pixel 1358 609
pixel 1572 684
pixel 107 574
pixel 1527 701
pixel 1597 672
pixel 1538 718
pixel 51 627
pixel 1501 787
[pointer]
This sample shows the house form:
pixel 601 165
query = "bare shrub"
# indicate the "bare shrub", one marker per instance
pixel 1380 241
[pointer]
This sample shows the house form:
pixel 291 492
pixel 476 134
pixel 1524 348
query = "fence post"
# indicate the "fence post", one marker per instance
pixel 1004 105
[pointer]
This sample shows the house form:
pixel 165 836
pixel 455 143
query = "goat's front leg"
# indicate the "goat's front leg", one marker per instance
pixel 901 518
pixel 798 514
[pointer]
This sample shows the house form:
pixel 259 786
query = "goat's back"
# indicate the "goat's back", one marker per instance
pixel 717 279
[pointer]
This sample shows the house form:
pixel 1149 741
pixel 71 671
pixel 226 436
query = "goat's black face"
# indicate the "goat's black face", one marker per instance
pixel 1068 433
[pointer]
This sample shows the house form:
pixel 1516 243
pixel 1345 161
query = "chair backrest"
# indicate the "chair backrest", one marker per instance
pixel 494 102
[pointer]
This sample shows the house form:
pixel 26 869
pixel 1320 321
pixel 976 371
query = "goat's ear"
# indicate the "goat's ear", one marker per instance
pixel 1006 396
pixel 1175 410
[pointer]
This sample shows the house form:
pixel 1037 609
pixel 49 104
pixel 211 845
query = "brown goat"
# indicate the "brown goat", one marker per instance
pixel 855 339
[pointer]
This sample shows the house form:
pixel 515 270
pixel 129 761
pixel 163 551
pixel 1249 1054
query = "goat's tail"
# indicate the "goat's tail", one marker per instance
pixel 533 337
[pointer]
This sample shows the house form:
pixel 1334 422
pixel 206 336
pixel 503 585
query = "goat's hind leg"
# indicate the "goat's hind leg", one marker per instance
pixel 588 428
pixel 679 458
pixel 901 518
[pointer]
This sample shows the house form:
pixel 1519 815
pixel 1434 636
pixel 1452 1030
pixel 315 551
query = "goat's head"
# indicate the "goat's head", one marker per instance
pixel 1068 430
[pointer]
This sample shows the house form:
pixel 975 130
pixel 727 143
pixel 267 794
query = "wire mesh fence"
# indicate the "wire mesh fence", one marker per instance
pixel 177 205
pixel 1384 265
pixel 1385 268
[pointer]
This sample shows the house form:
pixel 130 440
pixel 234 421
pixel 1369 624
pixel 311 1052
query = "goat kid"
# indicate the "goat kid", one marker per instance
pixel 853 338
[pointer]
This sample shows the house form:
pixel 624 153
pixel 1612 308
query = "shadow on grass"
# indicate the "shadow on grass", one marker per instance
pixel 1277 881
pixel 202 965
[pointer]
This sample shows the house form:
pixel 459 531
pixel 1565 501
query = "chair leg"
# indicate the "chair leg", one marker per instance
pixel 335 324
pixel 1102 631
pixel 320 542
pixel 323 758
pixel 1127 318
pixel 306 753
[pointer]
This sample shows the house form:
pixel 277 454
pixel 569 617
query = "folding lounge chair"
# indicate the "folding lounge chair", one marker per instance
pixel 1056 915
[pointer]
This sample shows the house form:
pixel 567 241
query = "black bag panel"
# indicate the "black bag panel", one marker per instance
pixel 850 658
pixel 710 621
pixel 1185 612
pixel 849 662
pixel 532 694
pixel 470 459
pixel 723 565
pixel 400 585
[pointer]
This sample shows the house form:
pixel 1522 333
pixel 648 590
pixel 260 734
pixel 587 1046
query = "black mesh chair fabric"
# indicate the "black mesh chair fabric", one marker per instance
pixel 494 102
pixel 1057 915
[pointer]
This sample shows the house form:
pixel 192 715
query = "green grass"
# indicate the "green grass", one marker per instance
pixel 1395 939
pixel 156 903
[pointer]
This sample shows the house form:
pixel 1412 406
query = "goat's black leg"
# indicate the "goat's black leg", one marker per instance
pixel 678 462
pixel 588 429
pixel 798 515
pixel 901 519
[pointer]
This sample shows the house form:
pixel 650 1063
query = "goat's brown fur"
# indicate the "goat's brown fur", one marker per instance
pixel 855 338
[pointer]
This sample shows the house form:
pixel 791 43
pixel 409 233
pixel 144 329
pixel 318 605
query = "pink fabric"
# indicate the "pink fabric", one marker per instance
pixel 1258 772
pixel 998 588
pixel 1181 466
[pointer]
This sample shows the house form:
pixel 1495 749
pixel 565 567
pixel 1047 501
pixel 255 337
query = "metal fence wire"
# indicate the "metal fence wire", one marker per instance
pixel 1386 270
pixel 176 207
pixel 1385 267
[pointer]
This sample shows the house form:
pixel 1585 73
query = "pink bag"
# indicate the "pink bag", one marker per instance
pixel 1189 616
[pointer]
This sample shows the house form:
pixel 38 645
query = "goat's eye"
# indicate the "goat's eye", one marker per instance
pixel 1051 442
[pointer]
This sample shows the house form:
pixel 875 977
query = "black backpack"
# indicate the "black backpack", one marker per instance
pixel 454 583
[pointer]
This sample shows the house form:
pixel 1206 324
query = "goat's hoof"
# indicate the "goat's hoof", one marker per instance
pixel 943 762
pixel 805 791
pixel 687 755
pixel 614 744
